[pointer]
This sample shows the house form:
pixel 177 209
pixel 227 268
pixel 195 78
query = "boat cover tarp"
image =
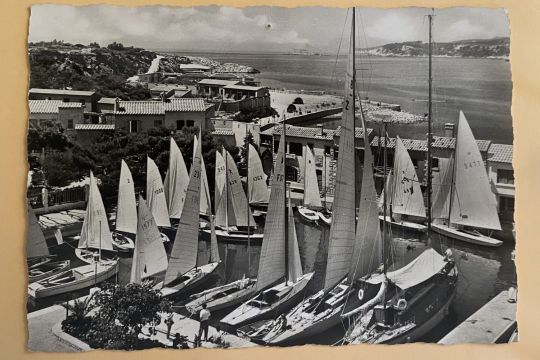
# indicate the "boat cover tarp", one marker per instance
pixel 417 271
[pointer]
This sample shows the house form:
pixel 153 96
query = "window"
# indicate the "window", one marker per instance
pixel 336 153
pixel 82 101
pixel 276 146
pixel 506 204
pixel 70 124
pixel 190 123
pixel 65 100
pixel 157 123
pixel 133 126
pixel 320 179
pixel 310 145
pixel 180 124
pixel 505 176
pixel 292 173
pixel 434 163
pixel 295 148
pixel 415 162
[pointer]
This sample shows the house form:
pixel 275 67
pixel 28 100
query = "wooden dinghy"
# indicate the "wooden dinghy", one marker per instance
pixel 222 297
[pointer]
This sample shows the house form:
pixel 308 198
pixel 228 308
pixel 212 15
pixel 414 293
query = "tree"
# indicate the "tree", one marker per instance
pixel 248 139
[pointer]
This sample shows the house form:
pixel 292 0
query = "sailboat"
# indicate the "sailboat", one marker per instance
pixel 224 296
pixel 280 259
pixel 404 193
pixel 176 181
pixel 95 233
pixel 182 272
pixel 149 256
pixel 416 297
pixel 205 209
pixel 471 203
pixel 312 196
pixel 258 193
pixel 39 260
pixel 231 204
pixel 155 196
pixel 354 250
pixel 126 211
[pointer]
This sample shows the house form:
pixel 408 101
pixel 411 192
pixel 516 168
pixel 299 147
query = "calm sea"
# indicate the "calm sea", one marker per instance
pixel 481 88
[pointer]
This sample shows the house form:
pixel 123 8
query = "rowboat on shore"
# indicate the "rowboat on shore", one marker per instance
pixel 72 280
pixel 48 269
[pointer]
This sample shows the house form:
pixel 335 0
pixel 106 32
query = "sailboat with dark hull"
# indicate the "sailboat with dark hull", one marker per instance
pixel 280 281
pixel 416 296
pixel 354 249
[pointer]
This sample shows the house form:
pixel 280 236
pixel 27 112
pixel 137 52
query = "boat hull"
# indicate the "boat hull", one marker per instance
pixel 235 294
pixel 121 242
pixel 51 286
pixel 457 234
pixel 233 237
pixel 326 220
pixel 193 278
pixel 46 270
pixel 308 214
pixel 247 313
pixel 407 225
pixel 88 256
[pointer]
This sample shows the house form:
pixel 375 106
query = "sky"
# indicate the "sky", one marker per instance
pixel 221 29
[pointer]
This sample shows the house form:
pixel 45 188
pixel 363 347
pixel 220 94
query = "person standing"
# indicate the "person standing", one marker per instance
pixel 204 317
pixel 169 322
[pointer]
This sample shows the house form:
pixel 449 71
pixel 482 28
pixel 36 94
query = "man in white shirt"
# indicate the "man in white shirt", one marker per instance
pixel 204 316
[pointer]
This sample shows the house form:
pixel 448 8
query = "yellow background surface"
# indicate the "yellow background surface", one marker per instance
pixel 525 62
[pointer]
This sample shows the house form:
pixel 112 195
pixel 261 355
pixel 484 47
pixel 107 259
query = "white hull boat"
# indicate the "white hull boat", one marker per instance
pixel 325 218
pixel 89 256
pixel 403 224
pixel 121 242
pixel 470 236
pixel 71 280
pixel 47 269
pixel 234 236
pixel 189 280
pixel 307 214
pixel 268 303
pixel 222 297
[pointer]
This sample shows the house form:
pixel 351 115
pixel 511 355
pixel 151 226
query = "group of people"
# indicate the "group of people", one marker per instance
pixel 179 341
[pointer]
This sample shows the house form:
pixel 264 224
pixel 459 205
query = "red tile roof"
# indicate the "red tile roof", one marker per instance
pixel 439 142
pixel 311 133
pixel 50 106
pixel 501 153
pixel 61 92
pixel 94 126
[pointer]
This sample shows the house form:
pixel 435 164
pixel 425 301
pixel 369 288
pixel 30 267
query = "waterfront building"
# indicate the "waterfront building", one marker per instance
pixel 501 175
pixel 68 114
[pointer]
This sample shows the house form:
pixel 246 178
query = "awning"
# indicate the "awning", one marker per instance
pixel 417 271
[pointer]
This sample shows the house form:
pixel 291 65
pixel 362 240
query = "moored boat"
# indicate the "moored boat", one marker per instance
pixel 71 280
pixel 48 269
pixel 312 197
pixel 126 212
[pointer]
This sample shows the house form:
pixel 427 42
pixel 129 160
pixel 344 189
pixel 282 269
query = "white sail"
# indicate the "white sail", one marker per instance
pixel 473 202
pixel 407 198
pixel 95 232
pixel 35 245
pixel 342 230
pixel 220 195
pixel 388 193
pixel 312 195
pixel 149 256
pixel 126 209
pixel 272 258
pixel 258 190
pixel 237 196
pixel 442 183
pixel 367 255
pixel 155 196
pixel 204 208
pixel 177 181
pixel 184 252
pixel 294 263
pixel 214 250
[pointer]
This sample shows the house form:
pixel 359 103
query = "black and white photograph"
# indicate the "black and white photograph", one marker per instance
pixel 224 177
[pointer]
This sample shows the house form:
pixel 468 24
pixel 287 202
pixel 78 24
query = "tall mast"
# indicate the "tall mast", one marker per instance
pixel 286 212
pixel 430 136
pixel 385 195
pixel 247 201
pixel 226 190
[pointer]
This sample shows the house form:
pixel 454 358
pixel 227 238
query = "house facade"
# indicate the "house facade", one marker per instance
pixel 88 99
pixel 501 175
pixel 67 114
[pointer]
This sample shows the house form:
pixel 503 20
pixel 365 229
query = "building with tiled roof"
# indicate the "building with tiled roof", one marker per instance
pixel 87 98
pixel 136 116
pixel 501 175
pixel 68 114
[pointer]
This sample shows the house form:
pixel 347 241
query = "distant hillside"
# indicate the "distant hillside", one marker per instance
pixel 485 48
pixel 57 65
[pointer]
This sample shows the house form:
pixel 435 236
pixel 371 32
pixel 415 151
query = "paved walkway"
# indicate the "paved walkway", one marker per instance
pixel 40 335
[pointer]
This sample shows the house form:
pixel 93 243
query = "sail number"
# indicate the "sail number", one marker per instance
pixel 257 178
pixel 158 191
pixel 472 164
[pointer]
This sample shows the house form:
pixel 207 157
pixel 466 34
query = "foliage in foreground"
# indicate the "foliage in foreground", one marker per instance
pixel 114 317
